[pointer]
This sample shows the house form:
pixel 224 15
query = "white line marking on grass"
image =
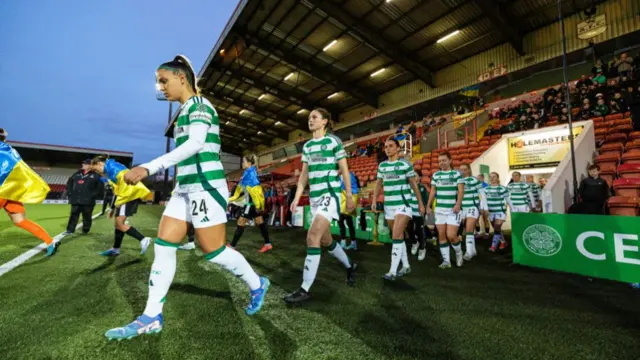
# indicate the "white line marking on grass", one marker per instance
pixel 12 264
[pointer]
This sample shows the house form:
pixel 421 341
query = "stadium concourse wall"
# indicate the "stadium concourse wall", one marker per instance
pixel 556 195
pixel 544 44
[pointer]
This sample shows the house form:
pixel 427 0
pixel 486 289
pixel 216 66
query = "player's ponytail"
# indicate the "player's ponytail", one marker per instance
pixel 182 64
pixel 3 135
pixel 99 159
pixel 250 159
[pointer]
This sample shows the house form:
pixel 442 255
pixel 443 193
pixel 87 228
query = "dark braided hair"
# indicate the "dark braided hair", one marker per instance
pixel 181 64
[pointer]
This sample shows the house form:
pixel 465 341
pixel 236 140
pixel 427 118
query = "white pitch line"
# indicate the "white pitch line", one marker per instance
pixel 12 264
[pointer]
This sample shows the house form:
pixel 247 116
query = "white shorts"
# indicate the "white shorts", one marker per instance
pixel 202 209
pixel 390 212
pixel 493 216
pixel 450 218
pixel 327 206
pixel 520 209
pixel 470 213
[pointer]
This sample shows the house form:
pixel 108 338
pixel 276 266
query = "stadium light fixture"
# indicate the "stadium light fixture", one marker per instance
pixel 262 96
pixel 242 111
pixel 330 45
pixel 332 95
pixel 301 111
pixel 222 52
pixel 288 77
pixel 227 123
pixel 259 132
pixel 448 36
pixel 378 72
pixel 278 123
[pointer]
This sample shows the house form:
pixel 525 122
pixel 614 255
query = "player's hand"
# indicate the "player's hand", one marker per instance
pixel 421 209
pixel 456 209
pixel 294 205
pixel 110 214
pixel 429 210
pixel 351 206
pixel 136 175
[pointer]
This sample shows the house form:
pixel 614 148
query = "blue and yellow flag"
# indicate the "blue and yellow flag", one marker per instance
pixel 114 171
pixel 17 181
pixel 250 183
pixel 470 91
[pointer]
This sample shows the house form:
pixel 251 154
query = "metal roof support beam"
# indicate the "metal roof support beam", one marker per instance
pixel 295 97
pixel 393 51
pixel 366 96
pixel 239 103
pixel 506 25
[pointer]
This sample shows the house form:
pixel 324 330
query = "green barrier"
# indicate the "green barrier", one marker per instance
pixel 592 245
pixel 384 235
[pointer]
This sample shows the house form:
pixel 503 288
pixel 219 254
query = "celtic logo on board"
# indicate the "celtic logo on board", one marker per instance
pixel 542 240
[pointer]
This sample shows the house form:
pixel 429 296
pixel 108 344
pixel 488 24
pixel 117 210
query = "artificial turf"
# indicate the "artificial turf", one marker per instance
pixel 60 307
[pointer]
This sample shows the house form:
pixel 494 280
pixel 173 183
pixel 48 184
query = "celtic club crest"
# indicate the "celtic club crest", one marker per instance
pixel 542 240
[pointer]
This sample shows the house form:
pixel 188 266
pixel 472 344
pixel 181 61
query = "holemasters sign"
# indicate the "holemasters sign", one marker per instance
pixel 543 149
pixel 592 245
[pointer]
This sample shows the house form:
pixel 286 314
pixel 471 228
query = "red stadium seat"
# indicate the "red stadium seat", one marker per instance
pixel 624 206
pixel 629 170
pixel 612 148
pixel 631 157
pixel 629 187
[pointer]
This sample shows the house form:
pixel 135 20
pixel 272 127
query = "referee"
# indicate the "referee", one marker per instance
pixel 83 188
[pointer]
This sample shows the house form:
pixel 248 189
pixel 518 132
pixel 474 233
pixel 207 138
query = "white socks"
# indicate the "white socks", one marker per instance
pixel 338 252
pixel 396 255
pixel 470 240
pixel 405 255
pixel 311 264
pixel 236 264
pixel 445 252
pixel 162 272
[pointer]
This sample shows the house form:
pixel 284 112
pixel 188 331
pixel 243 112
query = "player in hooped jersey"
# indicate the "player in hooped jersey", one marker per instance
pixel 398 179
pixel 497 198
pixel 322 157
pixel 447 188
pixel 200 198
pixel 473 202
pixel 521 194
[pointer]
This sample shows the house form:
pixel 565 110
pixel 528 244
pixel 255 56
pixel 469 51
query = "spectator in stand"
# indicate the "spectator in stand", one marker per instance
pixel 594 192
pixel 585 113
pixel 584 82
pixel 542 182
pixel 300 143
pixel 614 107
pixel 622 104
pixel 599 67
pixel 556 108
pixel 412 130
pixel 601 108
pixel 599 79
pixel 83 188
pixel 634 107
pixel 624 65
pixel 370 148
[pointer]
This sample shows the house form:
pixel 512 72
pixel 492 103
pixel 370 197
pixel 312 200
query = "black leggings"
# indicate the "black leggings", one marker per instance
pixel 416 227
pixel 343 230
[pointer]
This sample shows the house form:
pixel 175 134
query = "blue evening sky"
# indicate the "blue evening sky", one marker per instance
pixel 81 73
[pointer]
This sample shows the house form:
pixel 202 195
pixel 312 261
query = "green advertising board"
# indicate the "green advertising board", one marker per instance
pixel 383 230
pixel 592 245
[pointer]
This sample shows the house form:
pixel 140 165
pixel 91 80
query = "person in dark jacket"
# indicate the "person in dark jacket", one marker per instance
pixel 594 192
pixel 107 200
pixel 83 188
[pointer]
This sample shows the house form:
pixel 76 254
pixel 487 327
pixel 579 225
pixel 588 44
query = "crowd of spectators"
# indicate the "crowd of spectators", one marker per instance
pixel 610 89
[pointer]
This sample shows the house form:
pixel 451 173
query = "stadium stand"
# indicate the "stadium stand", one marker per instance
pixel 55 163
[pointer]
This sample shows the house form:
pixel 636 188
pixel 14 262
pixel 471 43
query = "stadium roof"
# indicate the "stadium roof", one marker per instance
pixel 277 59
pixel 73 149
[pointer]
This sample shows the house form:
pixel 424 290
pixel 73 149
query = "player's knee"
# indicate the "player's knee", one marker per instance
pixel 17 218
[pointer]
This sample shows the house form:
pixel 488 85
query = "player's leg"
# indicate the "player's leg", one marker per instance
pixel 352 233
pixel 418 222
pixel 74 216
pixel 453 224
pixel 242 222
pixel 470 239
pixel 171 231
pixel 443 242
pixel 399 226
pixel 130 209
pixel 343 230
pixel 191 238
pixel 411 237
pixel 338 252
pixel 496 222
pixel 209 217
pixel 17 214
pixel 262 225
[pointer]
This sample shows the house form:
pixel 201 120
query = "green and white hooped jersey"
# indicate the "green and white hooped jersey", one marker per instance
pixel 519 193
pixel 496 198
pixel 395 177
pixel 536 190
pixel 446 183
pixel 202 171
pixel 322 156
pixel 471 198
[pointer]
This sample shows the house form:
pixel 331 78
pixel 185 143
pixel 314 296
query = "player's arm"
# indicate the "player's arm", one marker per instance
pixel 346 176
pixel 483 199
pixel 302 183
pixel 507 198
pixel 195 143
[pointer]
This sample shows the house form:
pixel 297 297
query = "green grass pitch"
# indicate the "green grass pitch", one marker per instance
pixel 59 308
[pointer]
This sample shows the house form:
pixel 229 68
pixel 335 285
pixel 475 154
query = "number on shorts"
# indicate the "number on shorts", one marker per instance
pixel 198 209
pixel 326 200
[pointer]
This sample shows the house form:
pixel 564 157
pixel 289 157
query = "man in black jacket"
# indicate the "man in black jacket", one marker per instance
pixel 594 192
pixel 83 188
